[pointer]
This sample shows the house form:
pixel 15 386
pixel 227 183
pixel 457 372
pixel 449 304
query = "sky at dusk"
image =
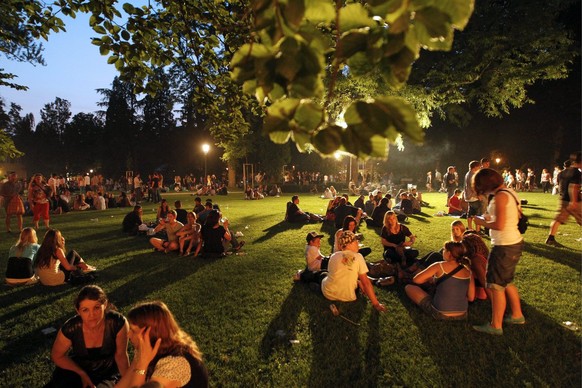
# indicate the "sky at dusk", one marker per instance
pixel 74 70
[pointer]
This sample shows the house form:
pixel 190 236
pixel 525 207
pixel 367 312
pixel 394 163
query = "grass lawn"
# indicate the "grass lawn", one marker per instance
pixel 256 328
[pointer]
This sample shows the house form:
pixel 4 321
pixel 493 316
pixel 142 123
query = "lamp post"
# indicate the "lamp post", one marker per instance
pixel 205 149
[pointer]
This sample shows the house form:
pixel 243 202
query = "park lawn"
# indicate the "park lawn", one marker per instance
pixel 256 328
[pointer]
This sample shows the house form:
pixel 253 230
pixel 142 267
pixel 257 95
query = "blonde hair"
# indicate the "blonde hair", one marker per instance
pixel 27 237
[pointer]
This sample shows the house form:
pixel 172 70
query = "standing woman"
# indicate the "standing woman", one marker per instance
pixel 507 244
pixel 393 236
pixel 164 352
pixel 20 256
pixel 38 197
pixel 91 348
pixel 52 266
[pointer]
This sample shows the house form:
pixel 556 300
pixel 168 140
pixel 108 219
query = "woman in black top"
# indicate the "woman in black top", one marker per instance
pixel 91 348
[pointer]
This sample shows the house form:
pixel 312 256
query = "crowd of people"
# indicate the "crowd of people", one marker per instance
pixel 444 283
pixel 203 231
pixel 91 348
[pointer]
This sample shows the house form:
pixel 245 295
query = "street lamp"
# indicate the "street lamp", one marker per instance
pixel 497 160
pixel 205 149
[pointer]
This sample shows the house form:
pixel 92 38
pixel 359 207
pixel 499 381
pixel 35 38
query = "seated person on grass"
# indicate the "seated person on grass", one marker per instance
pixel 454 203
pixel 296 215
pixel 349 224
pixel 377 219
pixel 393 237
pixel 198 207
pixel 217 237
pixel 171 227
pixel 132 221
pixel 189 236
pixel 344 210
pixel 404 206
pixel 347 271
pixel 203 214
pixel 316 262
pixel 453 282
pixel 181 214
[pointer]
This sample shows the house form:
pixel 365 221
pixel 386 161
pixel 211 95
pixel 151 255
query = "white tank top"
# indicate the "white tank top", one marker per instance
pixel 508 234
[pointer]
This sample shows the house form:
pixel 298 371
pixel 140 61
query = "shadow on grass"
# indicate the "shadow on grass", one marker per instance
pixel 560 255
pixel 455 346
pixel 279 227
pixel 335 342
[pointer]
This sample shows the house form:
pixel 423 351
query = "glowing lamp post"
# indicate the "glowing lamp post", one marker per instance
pixel 205 149
pixel 497 160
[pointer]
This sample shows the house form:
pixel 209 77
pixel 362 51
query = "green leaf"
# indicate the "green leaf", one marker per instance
pixel 389 10
pixel 248 51
pixel 99 29
pixel 353 16
pixel 125 35
pixel 352 42
pixel 402 116
pixel 294 11
pixel 112 59
pixel 433 29
pixel 459 11
pixel 128 8
pixel 328 139
pixel 103 50
pixel 319 11
pixel 308 116
pixel 360 64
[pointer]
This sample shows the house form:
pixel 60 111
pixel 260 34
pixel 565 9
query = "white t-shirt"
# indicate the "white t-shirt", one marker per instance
pixel 311 255
pixel 344 268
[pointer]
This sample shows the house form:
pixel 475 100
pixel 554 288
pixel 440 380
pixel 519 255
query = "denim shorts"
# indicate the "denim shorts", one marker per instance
pixel 501 265
pixel 426 306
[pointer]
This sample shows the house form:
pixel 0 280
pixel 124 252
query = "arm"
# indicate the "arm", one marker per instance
pixel 573 191
pixel 60 255
pixel 227 235
pixel 427 274
pixel 143 356
pixel 500 213
pixel 61 359
pixel 471 290
pixel 369 291
pixel 411 240
pixel 121 357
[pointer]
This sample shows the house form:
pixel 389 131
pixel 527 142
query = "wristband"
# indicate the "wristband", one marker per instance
pixel 140 371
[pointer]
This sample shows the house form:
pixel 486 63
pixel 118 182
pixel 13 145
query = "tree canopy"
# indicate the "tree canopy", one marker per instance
pixel 328 75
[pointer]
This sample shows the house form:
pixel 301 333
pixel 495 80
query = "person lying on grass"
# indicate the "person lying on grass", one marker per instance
pixel 171 227
pixel 453 281
pixel 347 271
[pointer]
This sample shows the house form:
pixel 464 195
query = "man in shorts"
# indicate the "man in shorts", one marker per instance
pixel 569 181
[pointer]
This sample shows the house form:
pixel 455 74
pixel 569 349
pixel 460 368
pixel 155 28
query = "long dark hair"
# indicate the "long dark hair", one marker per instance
pixel 347 220
pixel 52 240
pixel 160 319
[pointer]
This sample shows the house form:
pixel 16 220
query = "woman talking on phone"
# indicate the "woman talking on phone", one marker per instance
pixel 507 244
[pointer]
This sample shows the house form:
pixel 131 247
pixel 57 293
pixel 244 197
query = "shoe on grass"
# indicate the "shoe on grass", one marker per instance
pixel 514 321
pixel 488 329
pixel 552 241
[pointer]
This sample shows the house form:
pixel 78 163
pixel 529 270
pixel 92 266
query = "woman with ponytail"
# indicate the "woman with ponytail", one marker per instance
pixel 453 284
